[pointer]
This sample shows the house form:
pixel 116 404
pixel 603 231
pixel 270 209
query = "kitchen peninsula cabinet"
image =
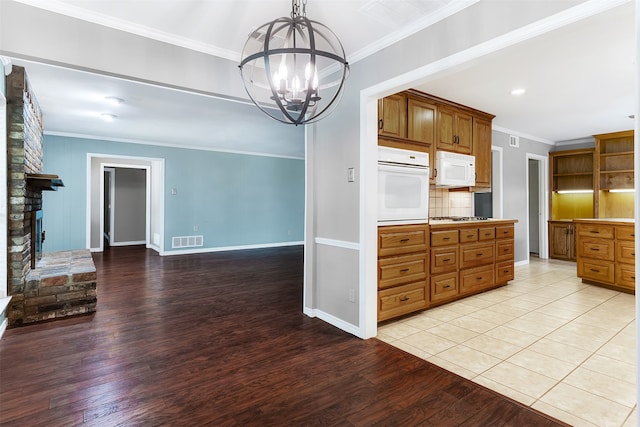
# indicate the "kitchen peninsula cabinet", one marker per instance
pixel 426 265
pixel 605 253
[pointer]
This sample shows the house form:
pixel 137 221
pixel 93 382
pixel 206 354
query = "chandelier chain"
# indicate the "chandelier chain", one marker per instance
pixel 295 8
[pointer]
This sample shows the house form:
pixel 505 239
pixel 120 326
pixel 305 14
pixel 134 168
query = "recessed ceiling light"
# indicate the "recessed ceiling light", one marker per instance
pixel 107 117
pixel 114 100
pixel 518 92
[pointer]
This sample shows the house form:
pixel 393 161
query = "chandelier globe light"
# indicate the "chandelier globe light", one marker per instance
pixel 294 68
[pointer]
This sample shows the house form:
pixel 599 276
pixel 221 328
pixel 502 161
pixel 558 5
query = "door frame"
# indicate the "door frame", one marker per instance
pixel 112 189
pixel 543 196
pixel 154 192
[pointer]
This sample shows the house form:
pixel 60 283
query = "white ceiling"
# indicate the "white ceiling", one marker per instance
pixel 580 79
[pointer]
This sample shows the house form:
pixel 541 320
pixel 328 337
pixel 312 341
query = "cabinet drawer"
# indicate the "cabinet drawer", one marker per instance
pixel 596 248
pixel 444 286
pixel 395 240
pixel 444 259
pixel 487 233
pixel 504 250
pixel 504 232
pixel 476 279
pixel 625 233
pixel 444 238
pixel 505 271
pixel 402 269
pixel 401 300
pixel 596 270
pixel 597 230
pixel 476 254
pixel 468 235
pixel 626 252
pixel 626 276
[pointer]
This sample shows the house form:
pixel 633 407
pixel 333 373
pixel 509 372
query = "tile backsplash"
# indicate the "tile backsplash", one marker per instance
pixel 445 203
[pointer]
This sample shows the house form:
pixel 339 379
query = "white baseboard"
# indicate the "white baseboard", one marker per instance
pixel 332 320
pixel 138 242
pixel 230 248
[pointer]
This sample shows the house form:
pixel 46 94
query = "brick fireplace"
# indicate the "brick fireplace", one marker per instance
pixel 61 284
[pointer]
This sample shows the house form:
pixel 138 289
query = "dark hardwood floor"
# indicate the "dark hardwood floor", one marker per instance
pixel 220 339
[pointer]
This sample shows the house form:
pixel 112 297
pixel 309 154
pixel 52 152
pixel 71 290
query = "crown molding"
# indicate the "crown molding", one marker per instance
pixel 61 8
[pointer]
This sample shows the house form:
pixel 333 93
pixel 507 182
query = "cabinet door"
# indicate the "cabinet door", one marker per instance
pixel 446 132
pixel 482 152
pixel 421 121
pixel 464 132
pixel 421 126
pixel 392 116
pixel 560 239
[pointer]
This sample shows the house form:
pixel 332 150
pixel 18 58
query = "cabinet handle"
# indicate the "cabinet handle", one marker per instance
pixel 594 270
pixel 404 298
pixel 479 278
pixel 446 238
pixel 469 235
pixel 633 277
pixel 595 249
pixel 633 254
pixel 446 260
pixel 505 271
pixel 446 287
pixel 404 240
pixel 479 254
pixel 404 270
pixel 594 232
pixel 380 124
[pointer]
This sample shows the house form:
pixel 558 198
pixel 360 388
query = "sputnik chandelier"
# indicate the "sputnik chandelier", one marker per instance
pixel 294 68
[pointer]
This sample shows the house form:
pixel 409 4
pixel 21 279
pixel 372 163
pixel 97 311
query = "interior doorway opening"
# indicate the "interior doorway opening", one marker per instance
pixel 537 206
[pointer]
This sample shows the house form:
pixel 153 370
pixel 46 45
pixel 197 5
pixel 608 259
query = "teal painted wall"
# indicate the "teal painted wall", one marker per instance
pixel 235 199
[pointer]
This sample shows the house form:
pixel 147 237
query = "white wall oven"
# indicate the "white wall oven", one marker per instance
pixel 403 185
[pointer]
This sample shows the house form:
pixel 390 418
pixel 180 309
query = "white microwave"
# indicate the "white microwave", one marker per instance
pixel 403 185
pixel 455 170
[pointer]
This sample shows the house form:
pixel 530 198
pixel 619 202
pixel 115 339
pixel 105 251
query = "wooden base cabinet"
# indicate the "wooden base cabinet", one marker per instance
pixel 422 266
pixel 606 253
pixel 403 270
pixel 562 240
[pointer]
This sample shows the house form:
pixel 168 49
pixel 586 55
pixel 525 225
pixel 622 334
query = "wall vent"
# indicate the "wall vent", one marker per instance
pixel 186 242
pixel 514 141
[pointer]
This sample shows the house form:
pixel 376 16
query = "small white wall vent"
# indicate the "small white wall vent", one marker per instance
pixel 514 141
pixel 186 242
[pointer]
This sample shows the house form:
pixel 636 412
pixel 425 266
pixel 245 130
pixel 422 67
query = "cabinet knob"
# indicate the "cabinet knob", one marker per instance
pixel 404 298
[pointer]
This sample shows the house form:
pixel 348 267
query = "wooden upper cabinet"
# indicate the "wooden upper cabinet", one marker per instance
pixel 455 130
pixel 421 120
pixel 482 151
pixel 392 115
pixel 421 126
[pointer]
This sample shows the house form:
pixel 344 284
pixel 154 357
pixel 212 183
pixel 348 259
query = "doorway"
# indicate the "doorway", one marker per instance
pixel 536 206
pixel 124 206
pixel 151 198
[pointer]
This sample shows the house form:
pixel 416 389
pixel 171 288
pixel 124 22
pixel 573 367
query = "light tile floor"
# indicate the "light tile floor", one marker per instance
pixel 546 340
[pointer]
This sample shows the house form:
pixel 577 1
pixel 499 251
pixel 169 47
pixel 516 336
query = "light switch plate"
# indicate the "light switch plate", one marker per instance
pixel 351 175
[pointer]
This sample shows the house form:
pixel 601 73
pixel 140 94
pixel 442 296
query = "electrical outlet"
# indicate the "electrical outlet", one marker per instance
pixel 174 191
pixel 195 228
pixel 352 295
